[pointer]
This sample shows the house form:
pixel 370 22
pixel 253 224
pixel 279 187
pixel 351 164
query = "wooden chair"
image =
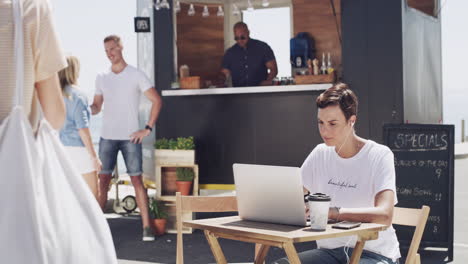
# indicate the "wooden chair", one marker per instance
pixel 199 204
pixel 416 218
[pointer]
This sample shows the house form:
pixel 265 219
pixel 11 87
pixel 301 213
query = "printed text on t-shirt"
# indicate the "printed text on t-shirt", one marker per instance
pixel 342 184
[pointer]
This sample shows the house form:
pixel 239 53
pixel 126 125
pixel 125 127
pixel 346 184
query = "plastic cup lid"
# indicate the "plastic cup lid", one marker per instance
pixel 319 197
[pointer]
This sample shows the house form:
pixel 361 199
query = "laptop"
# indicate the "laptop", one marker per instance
pixel 270 194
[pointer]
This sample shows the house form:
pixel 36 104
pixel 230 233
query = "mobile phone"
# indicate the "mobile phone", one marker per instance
pixel 346 225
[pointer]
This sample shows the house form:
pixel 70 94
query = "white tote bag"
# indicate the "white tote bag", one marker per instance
pixel 49 215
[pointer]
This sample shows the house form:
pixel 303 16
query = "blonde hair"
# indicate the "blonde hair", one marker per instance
pixel 69 75
pixel 114 38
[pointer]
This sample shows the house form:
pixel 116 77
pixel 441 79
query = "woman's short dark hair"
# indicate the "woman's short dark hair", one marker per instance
pixel 339 94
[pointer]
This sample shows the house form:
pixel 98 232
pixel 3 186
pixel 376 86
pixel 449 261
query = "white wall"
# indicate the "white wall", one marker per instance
pixel 273 26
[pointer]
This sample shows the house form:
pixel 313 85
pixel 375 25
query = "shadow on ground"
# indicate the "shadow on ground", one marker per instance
pixel 126 232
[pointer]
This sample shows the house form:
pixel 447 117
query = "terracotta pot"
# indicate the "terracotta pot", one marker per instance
pixel 159 226
pixel 184 187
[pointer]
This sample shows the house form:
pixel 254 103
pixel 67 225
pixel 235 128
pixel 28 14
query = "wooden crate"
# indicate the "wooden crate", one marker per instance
pixel 169 194
pixel 192 82
pixel 311 79
pixel 174 157
pixel 171 227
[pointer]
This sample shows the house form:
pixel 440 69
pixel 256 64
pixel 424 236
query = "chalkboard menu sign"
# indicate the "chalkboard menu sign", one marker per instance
pixel 424 162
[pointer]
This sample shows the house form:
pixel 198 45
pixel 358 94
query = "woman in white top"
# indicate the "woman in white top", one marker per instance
pixel 359 176
pixel 75 134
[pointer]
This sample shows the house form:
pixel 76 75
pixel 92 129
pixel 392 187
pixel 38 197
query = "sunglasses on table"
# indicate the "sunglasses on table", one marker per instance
pixel 240 38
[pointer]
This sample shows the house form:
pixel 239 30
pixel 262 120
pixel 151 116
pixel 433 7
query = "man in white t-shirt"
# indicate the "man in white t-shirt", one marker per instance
pixel 121 88
pixel 358 175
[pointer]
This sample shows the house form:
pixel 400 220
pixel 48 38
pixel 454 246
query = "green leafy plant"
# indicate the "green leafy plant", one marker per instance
pixel 185 174
pixel 172 144
pixel 185 143
pixel 181 143
pixel 162 143
pixel 156 210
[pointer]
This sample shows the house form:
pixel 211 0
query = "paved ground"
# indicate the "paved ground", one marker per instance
pixel 126 231
pixel 461 211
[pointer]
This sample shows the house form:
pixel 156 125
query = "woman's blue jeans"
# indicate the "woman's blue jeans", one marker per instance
pixel 337 256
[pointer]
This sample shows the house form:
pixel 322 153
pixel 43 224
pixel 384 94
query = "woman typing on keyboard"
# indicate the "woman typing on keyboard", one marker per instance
pixel 359 176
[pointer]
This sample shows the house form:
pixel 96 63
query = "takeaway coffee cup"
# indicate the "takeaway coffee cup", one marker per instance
pixel 319 204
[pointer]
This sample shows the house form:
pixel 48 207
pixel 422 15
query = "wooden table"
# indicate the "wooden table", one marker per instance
pixel 282 236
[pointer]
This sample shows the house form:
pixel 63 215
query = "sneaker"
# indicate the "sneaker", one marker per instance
pixel 148 234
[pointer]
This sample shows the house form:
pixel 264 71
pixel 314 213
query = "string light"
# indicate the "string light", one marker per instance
pixel 250 7
pixel 205 12
pixel 191 11
pixel 235 10
pixel 220 11
pixel 177 7
pixel 157 5
pixel 164 4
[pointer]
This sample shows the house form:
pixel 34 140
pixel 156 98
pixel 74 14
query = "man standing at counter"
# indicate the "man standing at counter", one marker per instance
pixel 249 62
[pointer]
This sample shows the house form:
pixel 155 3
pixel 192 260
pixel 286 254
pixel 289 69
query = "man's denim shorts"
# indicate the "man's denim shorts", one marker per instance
pixel 132 154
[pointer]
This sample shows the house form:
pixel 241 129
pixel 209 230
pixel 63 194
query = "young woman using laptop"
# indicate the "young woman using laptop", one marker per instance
pixel 359 176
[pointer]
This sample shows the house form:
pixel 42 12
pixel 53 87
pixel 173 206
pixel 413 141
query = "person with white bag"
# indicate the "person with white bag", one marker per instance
pixel 43 58
pixel 50 217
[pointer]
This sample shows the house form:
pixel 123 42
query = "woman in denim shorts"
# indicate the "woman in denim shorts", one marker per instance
pixel 75 134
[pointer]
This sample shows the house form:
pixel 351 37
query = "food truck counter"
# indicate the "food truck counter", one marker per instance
pixel 247 90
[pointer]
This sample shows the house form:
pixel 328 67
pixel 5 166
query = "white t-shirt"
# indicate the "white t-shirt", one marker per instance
pixel 353 183
pixel 121 94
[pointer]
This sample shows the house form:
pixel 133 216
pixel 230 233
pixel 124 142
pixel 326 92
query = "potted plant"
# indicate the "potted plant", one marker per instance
pixel 184 180
pixel 159 216
pixel 180 151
